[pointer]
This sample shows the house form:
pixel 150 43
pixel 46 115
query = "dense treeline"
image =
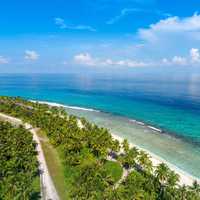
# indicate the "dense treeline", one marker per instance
pixel 19 176
pixel 85 150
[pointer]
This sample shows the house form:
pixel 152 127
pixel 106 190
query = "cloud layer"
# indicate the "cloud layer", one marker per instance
pixel 87 59
pixel 193 58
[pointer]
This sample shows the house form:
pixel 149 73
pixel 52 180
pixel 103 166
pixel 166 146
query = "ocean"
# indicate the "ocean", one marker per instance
pixel 160 114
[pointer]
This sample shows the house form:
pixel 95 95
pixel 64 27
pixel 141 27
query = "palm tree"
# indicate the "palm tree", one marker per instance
pixel 183 192
pixel 115 146
pixel 173 179
pixel 129 159
pixel 113 194
pixel 125 145
pixel 139 195
pixel 162 173
pixel 145 162
pixel 195 187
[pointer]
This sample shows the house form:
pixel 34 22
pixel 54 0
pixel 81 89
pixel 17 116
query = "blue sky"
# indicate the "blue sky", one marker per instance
pixel 68 35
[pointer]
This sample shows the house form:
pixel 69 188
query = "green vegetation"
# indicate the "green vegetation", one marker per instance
pixel 85 153
pixel 19 175
pixel 114 170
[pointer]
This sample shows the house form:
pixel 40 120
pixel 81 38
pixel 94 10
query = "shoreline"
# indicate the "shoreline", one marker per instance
pixel 140 123
pixel 185 177
pixel 137 122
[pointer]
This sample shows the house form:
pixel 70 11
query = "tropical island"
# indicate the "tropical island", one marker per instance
pixel 84 161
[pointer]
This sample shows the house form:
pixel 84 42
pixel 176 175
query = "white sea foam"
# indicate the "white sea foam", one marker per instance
pixel 143 124
pixel 133 120
pixel 140 123
pixel 80 108
pixel 155 129
pixel 65 106
pixel 137 122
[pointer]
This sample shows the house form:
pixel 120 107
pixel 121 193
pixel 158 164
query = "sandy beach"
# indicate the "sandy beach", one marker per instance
pixel 185 178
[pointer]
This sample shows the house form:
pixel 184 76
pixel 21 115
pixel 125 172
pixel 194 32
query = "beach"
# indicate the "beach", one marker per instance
pixel 185 178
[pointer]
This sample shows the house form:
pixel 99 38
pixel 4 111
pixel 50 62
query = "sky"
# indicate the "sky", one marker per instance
pixel 60 36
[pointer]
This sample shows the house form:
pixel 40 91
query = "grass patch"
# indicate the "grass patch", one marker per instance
pixel 55 166
pixel 114 170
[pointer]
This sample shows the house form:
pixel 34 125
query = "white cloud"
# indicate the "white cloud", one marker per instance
pixel 123 13
pixel 87 59
pixel 171 37
pixel 127 11
pixel 179 60
pixel 195 55
pixel 82 27
pixel 171 25
pixel 165 61
pixel 31 55
pixel 191 59
pixel 61 24
pixel 3 60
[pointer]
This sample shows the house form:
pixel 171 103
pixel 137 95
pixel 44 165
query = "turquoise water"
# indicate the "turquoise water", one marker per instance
pixel 170 103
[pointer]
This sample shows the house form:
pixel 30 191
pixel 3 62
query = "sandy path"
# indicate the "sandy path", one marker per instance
pixel 48 188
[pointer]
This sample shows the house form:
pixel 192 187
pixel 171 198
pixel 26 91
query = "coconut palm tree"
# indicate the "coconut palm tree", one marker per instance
pixel 129 159
pixel 195 187
pixel 172 179
pixel 162 173
pixel 145 162
pixel 115 146
pixel 182 192
pixel 125 145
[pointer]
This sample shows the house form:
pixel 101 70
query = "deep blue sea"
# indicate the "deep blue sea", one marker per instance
pixel 168 103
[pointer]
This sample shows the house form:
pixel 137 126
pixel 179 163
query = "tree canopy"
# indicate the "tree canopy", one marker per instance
pixel 18 164
pixel 85 150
